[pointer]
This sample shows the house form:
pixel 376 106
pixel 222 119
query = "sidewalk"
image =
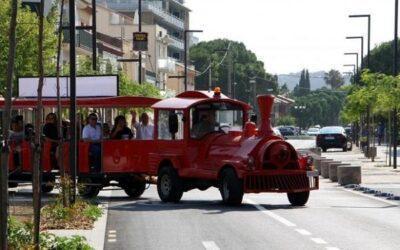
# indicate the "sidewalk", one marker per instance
pixel 95 236
pixel 375 175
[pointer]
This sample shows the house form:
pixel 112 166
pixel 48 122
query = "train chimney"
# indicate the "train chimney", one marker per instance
pixel 265 103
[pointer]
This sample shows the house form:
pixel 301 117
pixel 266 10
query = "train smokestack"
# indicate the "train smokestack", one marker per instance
pixel 265 103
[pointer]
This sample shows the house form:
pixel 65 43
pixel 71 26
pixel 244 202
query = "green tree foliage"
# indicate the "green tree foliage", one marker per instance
pixel 380 92
pixel 334 79
pixel 131 88
pixel 284 89
pixel 381 58
pixel 27 38
pixel 286 120
pixel 246 66
pixel 321 107
pixel 304 86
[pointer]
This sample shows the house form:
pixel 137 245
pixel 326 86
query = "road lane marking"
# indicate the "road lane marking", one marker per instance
pixel 319 241
pixel 271 214
pixel 303 231
pixel 371 197
pixel 112 240
pixel 210 245
pixel 288 223
pixel 112 231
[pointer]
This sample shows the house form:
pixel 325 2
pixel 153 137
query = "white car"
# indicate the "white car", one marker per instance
pixel 313 131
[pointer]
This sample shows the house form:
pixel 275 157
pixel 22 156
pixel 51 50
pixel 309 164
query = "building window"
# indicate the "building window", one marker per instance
pixel 165 119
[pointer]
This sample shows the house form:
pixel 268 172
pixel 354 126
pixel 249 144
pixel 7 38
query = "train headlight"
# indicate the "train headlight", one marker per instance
pixel 251 163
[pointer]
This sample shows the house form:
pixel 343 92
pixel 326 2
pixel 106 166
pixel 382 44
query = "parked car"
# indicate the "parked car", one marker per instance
pixel 333 137
pixel 277 132
pixel 313 131
pixel 286 131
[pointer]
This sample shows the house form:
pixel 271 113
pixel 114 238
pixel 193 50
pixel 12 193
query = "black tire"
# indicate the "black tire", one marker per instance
pixel 48 184
pixel 46 188
pixel 231 187
pixel 298 199
pixel 169 185
pixel 135 189
pixel 324 149
pixel 345 149
pixel 13 184
pixel 86 190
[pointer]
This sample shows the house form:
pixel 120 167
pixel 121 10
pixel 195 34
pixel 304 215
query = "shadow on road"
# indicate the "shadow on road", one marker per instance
pixel 208 207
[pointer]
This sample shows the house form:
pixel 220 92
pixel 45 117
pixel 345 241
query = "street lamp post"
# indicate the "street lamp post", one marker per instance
pixel 395 72
pixel 362 47
pixel 300 109
pixel 369 34
pixel 185 45
pixel 362 67
pixel 353 54
pixel 354 70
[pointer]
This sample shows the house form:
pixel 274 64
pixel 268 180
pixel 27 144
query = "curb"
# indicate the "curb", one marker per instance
pixel 96 236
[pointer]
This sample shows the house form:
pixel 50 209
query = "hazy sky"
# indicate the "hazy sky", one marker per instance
pixel 288 35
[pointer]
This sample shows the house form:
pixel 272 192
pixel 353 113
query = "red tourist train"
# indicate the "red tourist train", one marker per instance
pixel 201 139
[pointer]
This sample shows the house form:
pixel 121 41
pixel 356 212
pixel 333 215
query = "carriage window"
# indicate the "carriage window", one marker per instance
pixel 215 117
pixel 170 124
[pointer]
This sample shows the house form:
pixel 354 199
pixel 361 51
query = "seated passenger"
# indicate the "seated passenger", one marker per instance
pixel 29 132
pixel 106 131
pixel 206 125
pixel 144 130
pixel 92 130
pixel 92 133
pixel 120 130
pixel 15 136
pixel 50 132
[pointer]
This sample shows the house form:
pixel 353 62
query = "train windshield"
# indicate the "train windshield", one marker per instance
pixel 215 117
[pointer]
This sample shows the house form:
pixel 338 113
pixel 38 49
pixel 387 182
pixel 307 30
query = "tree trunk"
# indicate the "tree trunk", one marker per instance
pixel 6 126
pixel 59 109
pixel 37 168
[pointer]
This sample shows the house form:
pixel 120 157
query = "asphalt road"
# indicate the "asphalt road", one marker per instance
pixel 333 219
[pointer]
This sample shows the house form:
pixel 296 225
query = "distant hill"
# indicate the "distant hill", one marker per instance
pixel 316 79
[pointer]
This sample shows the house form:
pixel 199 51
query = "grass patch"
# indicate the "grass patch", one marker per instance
pixel 80 215
pixel 20 236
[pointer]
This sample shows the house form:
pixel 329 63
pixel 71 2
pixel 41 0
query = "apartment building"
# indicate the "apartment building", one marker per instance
pixel 173 17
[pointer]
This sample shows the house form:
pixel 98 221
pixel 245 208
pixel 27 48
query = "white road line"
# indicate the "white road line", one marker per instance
pixel 112 231
pixel 271 214
pixel 372 197
pixel 319 241
pixel 112 236
pixel 288 223
pixel 303 232
pixel 210 245
pixel 112 240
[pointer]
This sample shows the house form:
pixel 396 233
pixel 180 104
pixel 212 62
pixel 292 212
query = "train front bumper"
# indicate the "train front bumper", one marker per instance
pixel 280 181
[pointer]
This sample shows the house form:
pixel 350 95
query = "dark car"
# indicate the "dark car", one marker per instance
pixel 286 131
pixel 333 137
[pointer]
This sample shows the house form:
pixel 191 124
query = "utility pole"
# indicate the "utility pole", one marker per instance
pixel 395 72
pixel 6 124
pixel 37 166
pixel 94 36
pixel 140 52
pixel 72 113
pixel 185 56
pixel 210 76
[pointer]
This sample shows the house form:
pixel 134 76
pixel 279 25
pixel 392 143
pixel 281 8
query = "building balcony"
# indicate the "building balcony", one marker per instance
pixel 176 43
pixel 104 42
pixel 154 7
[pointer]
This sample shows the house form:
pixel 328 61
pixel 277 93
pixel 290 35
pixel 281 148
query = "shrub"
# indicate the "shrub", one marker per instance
pixel 20 236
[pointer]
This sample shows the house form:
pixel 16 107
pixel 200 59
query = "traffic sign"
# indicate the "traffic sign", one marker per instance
pixel 140 41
